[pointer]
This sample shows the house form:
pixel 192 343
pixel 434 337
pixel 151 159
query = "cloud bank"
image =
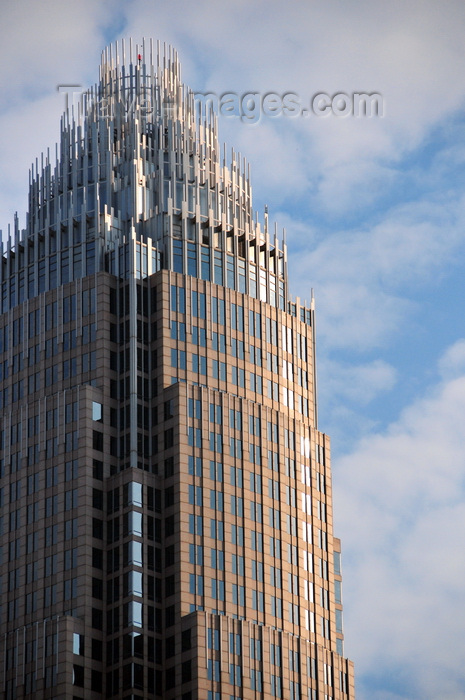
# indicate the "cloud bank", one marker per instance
pixel 400 509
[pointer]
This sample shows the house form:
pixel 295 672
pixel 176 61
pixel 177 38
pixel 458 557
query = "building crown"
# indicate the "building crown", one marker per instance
pixel 140 184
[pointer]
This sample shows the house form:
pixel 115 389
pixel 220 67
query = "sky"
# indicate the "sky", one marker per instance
pixel 374 215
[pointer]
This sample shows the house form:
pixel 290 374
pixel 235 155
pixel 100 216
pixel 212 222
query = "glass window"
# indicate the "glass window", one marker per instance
pixel 97 411
pixel 134 553
pixel 134 524
pixel 78 644
pixel 133 494
pixel 177 256
pixel 134 614
pixel 134 583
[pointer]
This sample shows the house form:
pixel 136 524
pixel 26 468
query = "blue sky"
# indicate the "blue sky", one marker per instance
pixel 374 214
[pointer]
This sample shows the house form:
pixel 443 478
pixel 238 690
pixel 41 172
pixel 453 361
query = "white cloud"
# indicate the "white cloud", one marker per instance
pixel 400 509
pixel 366 281
pixel 42 45
pixel 278 166
pixel 403 52
pixel 346 392
pixel 45 43
pixel 452 363
pixel 24 150
pixel 357 383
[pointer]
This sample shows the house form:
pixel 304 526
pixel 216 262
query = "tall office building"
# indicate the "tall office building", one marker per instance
pixel 166 510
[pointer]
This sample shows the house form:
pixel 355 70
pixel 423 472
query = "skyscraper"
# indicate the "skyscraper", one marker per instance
pixel 165 494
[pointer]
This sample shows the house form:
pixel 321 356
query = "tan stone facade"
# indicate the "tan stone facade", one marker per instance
pixel 217 574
